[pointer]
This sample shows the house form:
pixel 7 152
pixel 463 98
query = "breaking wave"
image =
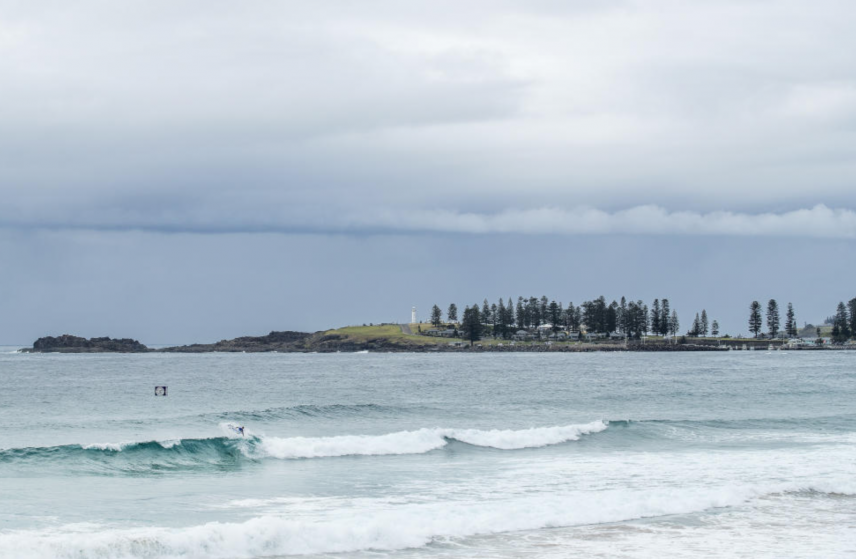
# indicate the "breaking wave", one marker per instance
pixel 383 528
pixel 177 453
pixel 423 440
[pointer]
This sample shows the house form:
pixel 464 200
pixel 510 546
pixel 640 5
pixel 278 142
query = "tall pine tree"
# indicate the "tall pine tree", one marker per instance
pixel 555 316
pixel 500 328
pixel 436 316
pixel 656 318
pixel 851 307
pixel 755 322
pixel 841 324
pixel 452 315
pixel 471 326
pixel 773 323
pixel 665 319
pixel 791 322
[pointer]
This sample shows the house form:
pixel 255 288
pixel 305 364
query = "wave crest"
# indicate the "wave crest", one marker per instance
pixel 422 440
pixel 176 453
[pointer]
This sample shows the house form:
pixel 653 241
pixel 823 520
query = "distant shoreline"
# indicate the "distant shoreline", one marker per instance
pixel 394 338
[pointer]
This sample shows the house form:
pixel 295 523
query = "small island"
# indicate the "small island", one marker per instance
pixel 75 344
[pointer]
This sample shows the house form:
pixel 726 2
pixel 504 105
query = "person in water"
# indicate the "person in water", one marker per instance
pixel 240 430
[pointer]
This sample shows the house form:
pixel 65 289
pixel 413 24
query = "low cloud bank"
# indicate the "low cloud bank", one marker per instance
pixel 817 222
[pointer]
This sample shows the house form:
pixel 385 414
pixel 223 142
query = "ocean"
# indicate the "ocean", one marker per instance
pixel 520 455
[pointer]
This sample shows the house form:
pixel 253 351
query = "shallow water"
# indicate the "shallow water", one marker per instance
pixel 414 455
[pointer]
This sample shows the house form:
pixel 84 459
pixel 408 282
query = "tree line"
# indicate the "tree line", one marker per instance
pixel 632 319
pixel 756 320
pixel 843 321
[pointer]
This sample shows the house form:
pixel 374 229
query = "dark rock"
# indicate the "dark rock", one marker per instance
pixel 75 344
pixel 275 341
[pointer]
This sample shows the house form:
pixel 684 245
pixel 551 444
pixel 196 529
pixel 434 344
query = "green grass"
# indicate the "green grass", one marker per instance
pixel 390 332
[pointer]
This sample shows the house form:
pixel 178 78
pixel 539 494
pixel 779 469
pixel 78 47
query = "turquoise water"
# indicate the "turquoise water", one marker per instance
pixel 413 455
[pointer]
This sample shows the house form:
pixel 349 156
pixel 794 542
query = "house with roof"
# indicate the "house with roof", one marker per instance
pixel 521 336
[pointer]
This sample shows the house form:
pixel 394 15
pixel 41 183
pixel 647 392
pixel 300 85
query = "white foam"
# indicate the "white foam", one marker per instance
pixel 381 527
pixel 116 447
pixel 421 441
pixel 402 442
pixel 526 438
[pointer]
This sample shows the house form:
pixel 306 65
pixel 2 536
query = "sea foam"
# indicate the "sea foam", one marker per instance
pixel 421 441
pixel 382 527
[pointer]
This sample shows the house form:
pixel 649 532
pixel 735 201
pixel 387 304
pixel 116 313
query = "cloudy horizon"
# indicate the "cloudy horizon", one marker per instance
pixel 167 170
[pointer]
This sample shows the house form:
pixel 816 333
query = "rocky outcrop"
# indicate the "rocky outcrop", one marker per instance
pixel 75 344
pixel 275 341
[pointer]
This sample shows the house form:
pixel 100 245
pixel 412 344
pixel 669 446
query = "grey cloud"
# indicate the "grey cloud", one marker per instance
pixel 818 222
pixel 472 108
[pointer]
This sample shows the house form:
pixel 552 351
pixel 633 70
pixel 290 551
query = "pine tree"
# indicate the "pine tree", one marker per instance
pixel 656 319
pixel 773 318
pixel 714 329
pixel 555 316
pixel 644 322
pixel 696 329
pixel 665 318
pixel 841 324
pixel 704 325
pixel 674 323
pixel 471 326
pixel 851 307
pixel 755 321
pixel 612 317
pixel 501 321
pixel 535 312
pixel 509 317
pixel 544 309
pixel 452 315
pixel 436 316
pixel 791 322
pixel 521 314
pixel 485 313
pixel 622 316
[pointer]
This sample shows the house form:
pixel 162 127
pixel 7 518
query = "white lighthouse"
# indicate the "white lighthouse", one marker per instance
pixel 413 315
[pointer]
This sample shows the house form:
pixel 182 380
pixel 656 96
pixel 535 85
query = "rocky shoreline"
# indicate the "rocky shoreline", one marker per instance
pixel 331 342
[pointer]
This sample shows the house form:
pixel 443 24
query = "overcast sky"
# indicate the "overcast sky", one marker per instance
pixel 190 171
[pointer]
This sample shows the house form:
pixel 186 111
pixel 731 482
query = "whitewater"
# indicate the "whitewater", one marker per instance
pixel 619 455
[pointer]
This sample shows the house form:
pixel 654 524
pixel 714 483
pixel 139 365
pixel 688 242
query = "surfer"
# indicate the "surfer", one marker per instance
pixel 240 429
